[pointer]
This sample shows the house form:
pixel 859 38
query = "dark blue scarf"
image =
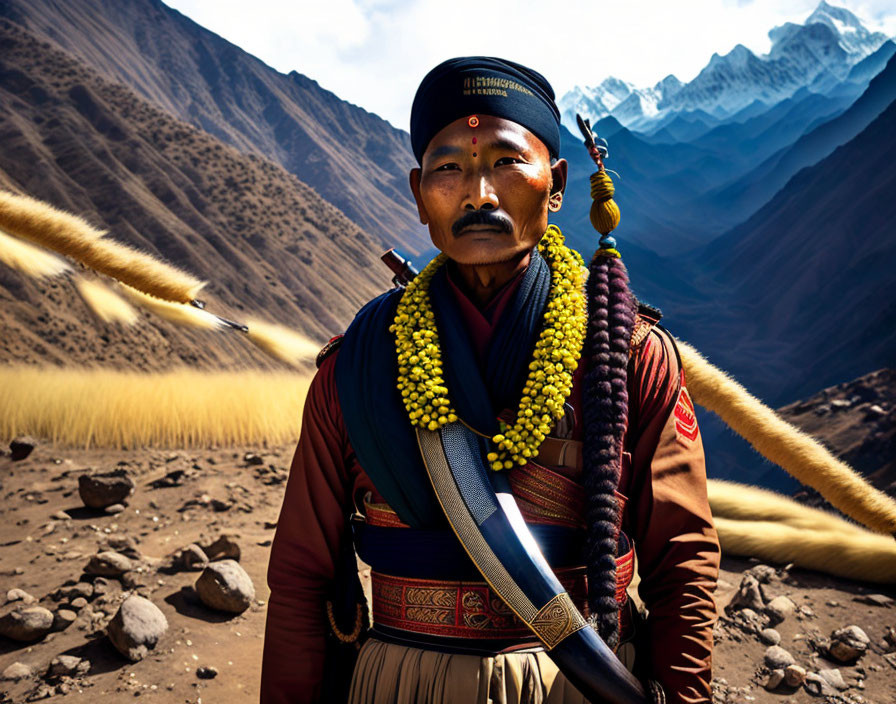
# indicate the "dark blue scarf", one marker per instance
pixel 375 417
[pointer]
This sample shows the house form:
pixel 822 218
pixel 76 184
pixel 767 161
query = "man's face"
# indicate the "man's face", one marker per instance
pixel 483 190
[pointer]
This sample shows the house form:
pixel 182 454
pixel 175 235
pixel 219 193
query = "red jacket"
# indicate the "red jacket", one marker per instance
pixel 666 514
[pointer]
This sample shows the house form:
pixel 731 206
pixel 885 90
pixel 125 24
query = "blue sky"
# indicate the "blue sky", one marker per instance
pixel 374 52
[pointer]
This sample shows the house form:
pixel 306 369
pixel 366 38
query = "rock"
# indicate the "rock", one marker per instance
pixel 17 671
pixel 840 403
pixel 45 691
pixel 763 573
pixel 817 687
pixel 63 618
pixel 779 608
pixel 136 627
pixel 113 509
pixel 135 580
pixel 103 586
pixel 777 658
pixel 206 672
pixel 21 447
pixel 68 666
pixel 794 675
pixel 79 602
pixel 875 410
pixel 173 478
pixel 823 409
pixel 225 586
pixel 125 544
pixel 251 459
pixel 19 595
pixel 848 644
pixel 748 595
pixel 192 557
pixel 109 564
pixel 27 625
pixel 769 636
pixel 774 679
pixel 105 489
pixel 73 591
pixel 833 678
pixel 225 547
pixel 60 516
pixel 749 620
pixel 876 600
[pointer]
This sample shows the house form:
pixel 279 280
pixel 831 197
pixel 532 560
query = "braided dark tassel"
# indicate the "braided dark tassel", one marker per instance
pixel 611 319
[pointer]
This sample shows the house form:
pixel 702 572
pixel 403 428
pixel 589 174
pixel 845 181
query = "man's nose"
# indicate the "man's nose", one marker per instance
pixel 482 195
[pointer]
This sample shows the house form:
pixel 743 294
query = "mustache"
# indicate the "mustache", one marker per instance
pixel 489 218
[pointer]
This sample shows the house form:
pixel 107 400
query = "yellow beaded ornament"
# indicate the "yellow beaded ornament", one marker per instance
pixel 421 382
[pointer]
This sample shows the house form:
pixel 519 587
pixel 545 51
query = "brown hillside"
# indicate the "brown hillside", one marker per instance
pixel 856 420
pixel 265 241
pixel 353 158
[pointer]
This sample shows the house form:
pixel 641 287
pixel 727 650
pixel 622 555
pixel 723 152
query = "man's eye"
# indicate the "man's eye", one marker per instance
pixel 507 160
pixel 447 167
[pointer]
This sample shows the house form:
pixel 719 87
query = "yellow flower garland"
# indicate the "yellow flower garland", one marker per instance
pixel 554 360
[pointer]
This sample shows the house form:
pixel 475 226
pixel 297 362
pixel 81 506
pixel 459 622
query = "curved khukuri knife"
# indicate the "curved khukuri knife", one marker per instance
pixel 491 529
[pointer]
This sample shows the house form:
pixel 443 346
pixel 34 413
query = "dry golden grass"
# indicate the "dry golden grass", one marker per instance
pixel 30 260
pixel 178 313
pixel 74 237
pixel 859 555
pixel 281 342
pixel 181 408
pixel 107 305
pixel 786 445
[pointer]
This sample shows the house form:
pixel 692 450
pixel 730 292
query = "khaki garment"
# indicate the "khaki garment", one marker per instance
pixel 387 673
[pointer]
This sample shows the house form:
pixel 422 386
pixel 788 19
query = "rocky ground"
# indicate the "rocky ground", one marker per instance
pixel 104 603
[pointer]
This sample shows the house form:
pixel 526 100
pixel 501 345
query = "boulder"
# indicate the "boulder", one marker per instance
pixel 63 618
pixel 19 595
pixel 817 687
pixel 68 666
pixel 17 671
pixel 775 678
pixel 748 595
pixel 191 557
pixel 794 675
pixel 225 547
pixel 779 609
pixel 27 624
pixel 206 672
pixel 21 447
pixel 136 627
pixel 777 658
pixel 225 586
pixel 105 489
pixel 833 678
pixel 109 564
pixel 770 636
pixel 848 644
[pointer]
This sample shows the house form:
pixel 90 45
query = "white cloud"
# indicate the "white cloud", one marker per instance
pixel 374 52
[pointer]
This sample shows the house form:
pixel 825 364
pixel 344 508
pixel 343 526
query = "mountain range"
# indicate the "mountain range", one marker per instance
pixel 817 55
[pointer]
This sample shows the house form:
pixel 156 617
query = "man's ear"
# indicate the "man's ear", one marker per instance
pixel 558 174
pixel 414 178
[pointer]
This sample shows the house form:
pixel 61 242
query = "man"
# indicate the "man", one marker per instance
pixel 602 453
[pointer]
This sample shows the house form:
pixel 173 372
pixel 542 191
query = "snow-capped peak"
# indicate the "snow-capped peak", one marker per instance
pixel 817 54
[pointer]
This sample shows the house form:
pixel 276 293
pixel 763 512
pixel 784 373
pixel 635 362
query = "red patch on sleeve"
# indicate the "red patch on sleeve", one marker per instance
pixel 686 428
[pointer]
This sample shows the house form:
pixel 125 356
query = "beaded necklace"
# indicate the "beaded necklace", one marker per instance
pixel 554 360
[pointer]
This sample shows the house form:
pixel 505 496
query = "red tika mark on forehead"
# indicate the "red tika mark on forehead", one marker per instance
pixel 474 140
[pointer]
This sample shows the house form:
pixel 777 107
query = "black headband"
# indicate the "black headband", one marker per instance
pixel 487 86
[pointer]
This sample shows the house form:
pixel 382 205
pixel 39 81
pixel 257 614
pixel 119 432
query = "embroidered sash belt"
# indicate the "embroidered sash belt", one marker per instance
pixel 429 610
